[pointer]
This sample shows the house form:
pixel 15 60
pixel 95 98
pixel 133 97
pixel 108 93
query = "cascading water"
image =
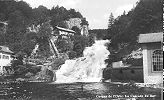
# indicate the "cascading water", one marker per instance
pixel 85 69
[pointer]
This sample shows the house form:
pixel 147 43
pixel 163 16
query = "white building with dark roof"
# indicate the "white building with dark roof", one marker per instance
pixel 63 32
pixel 5 58
pixel 152 57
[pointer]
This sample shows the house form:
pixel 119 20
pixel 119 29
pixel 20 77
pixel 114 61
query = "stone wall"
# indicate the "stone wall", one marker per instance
pixel 128 74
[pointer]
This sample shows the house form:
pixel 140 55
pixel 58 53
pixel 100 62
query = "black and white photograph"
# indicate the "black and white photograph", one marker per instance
pixel 81 49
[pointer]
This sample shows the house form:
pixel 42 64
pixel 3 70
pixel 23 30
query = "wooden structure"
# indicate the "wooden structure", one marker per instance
pixel 63 32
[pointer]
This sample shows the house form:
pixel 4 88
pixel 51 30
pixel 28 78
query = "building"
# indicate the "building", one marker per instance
pixel 118 64
pixel 152 57
pixel 5 58
pixel 63 32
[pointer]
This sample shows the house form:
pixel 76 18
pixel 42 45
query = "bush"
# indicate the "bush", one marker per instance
pixel 2 79
pixel 135 62
pixel 72 54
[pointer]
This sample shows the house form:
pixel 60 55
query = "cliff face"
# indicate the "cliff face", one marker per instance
pixel 74 22
pixel 77 22
pixel 84 30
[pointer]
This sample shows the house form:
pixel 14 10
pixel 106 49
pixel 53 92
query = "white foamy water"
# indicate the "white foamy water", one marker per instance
pixel 85 69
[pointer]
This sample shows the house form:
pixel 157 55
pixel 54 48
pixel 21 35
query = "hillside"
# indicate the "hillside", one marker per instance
pixel 20 16
pixel 27 32
pixel 146 17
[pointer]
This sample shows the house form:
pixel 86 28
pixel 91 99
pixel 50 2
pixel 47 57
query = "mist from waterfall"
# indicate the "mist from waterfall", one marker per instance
pixel 87 68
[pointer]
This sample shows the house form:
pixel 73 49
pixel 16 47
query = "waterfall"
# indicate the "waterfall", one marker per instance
pixel 87 68
pixel 34 51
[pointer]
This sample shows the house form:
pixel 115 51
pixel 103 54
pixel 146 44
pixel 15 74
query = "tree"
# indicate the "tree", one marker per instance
pixel 99 33
pixel 2 17
pixel 91 39
pixel 110 21
pixel 28 46
pixel 73 14
pixel 41 15
pixel 146 17
pixel 77 30
pixel 80 42
pixel 110 27
pixel 84 22
pixel 43 39
pixel 124 13
pixel 2 39
pixel 30 39
pixel 64 45
pixel 20 16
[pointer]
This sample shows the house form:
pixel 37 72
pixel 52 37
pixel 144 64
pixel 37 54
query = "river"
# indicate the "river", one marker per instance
pixel 75 91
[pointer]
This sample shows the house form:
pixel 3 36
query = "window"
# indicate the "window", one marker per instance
pixel 157 60
pixel 5 57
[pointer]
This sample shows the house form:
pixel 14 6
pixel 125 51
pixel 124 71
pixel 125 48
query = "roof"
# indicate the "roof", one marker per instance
pixel 5 49
pixel 64 29
pixel 151 37
pixel 4 23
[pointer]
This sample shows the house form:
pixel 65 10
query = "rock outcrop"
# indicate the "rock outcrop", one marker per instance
pixel 78 23
pixel 74 22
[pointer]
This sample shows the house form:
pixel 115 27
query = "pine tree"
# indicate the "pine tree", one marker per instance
pixel 110 21
pixel 124 13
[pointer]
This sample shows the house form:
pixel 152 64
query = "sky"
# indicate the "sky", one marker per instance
pixel 97 12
